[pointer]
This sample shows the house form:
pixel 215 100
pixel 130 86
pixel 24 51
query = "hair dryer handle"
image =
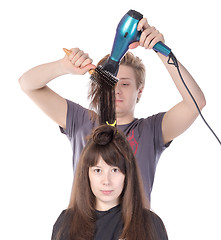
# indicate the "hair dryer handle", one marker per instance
pixel 162 48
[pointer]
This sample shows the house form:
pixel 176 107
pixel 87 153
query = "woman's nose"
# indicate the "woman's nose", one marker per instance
pixel 106 179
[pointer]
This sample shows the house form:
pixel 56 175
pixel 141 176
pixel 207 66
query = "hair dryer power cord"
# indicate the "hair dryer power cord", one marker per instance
pixel 175 63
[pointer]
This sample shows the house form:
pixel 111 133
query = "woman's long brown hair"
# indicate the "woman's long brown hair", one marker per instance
pixel 102 98
pixel 79 224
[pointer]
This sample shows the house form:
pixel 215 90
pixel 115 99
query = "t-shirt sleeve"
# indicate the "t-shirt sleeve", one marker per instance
pixel 153 125
pixel 76 116
pixel 158 134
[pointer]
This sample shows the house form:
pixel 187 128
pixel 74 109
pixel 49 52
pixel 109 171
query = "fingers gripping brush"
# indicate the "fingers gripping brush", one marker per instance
pixel 102 93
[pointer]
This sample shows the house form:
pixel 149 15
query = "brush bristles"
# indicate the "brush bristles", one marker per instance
pixel 103 95
pixel 100 75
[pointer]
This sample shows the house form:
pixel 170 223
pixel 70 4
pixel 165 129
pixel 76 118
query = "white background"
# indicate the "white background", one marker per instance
pixel 36 166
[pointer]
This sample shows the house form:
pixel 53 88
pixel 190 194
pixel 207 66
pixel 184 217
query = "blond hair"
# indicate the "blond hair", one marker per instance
pixel 130 60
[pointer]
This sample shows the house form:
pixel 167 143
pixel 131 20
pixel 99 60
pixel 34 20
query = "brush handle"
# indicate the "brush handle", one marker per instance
pixel 68 52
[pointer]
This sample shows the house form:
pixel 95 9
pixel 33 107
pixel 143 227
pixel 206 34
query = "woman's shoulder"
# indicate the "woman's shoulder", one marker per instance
pixel 60 219
pixel 156 224
pixel 58 225
pixel 151 215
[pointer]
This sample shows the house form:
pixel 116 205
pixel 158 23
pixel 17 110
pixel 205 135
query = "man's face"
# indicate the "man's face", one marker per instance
pixel 126 92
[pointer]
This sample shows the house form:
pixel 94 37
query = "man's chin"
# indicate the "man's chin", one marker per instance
pixel 119 113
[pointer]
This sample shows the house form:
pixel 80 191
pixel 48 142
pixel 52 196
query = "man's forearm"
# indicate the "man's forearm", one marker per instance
pixel 189 80
pixel 39 76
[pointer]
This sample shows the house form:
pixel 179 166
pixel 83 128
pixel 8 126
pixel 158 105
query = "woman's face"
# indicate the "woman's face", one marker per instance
pixel 107 183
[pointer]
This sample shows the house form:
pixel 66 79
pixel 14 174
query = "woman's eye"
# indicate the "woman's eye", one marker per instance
pixel 97 170
pixel 125 84
pixel 115 170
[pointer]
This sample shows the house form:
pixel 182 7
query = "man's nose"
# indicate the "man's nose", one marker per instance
pixel 117 88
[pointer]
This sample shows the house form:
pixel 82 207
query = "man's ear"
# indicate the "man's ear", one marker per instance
pixel 140 90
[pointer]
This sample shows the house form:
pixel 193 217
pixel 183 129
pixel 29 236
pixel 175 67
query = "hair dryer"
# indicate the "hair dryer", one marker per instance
pixel 126 34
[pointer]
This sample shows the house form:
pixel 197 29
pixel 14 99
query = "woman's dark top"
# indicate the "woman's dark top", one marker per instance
pixel 109 225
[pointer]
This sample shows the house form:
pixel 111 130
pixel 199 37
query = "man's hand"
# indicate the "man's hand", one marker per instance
pixel 149 36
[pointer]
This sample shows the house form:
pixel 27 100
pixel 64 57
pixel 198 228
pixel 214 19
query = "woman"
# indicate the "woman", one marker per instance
pixel 107 200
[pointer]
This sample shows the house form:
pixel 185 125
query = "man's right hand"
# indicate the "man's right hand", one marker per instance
pixel 77 62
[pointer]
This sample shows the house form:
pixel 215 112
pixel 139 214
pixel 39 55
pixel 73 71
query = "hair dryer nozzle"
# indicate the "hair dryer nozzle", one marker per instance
pixel 111 66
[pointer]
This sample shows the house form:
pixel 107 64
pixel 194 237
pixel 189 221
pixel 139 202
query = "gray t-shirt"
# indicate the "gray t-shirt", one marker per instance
pixel 144 136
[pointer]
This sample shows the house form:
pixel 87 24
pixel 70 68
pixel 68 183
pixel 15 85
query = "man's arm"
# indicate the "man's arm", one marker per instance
pixel 182 115
pixel 179 118
pixel 34 83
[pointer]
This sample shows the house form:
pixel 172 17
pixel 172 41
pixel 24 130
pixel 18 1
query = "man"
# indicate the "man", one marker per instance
pixel 148 137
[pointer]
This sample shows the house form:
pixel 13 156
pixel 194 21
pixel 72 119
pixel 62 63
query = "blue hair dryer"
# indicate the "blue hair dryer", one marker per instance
pixel 126 34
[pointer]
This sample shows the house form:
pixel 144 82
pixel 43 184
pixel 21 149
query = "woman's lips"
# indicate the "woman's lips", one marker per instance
pixel 106 192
